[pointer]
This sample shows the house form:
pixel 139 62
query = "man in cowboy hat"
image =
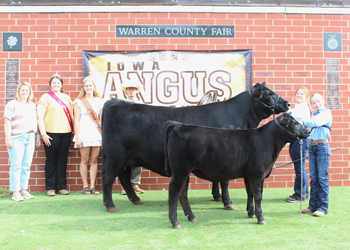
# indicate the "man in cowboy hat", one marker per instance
pixel 131 90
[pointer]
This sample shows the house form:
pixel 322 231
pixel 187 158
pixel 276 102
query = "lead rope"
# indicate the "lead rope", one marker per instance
pixel 301 170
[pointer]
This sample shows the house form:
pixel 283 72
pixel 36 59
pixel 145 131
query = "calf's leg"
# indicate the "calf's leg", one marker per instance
pixel 250 205
pixel 185 204
pixel 257 188
pixel 177 183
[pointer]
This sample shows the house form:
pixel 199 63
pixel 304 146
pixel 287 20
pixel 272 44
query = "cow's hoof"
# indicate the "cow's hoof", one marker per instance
pixel 262 222
pixel 229 207
pixel 112 210
pixel 218 199
pixel 251 215
pixel 191 218
pixel 177 226
pixel 139 202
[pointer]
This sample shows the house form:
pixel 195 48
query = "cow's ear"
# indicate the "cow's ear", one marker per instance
pixel 283 119
pixel 256 91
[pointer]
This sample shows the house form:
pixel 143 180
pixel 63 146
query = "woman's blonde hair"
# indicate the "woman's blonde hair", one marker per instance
pixel 307 94
pixel 82 93
pixel 30 97
pixel 57 76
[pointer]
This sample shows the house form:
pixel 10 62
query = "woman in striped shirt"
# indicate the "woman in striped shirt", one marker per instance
pixel 20 127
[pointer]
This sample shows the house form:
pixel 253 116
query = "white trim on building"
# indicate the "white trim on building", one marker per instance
pixel 188 9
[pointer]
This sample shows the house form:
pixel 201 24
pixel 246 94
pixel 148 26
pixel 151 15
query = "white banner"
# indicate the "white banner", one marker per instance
pixel 170 78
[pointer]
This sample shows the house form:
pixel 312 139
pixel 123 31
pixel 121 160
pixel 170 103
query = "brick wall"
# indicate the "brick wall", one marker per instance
pixel 287 53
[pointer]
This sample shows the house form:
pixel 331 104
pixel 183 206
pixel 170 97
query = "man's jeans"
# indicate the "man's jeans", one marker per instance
pixel 21 156
pixel 294 152
pixel 319 160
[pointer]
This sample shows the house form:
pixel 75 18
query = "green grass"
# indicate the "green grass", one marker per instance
pixel 80 221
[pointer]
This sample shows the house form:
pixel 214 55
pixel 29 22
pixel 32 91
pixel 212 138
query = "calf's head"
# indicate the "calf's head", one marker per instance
pixel 292 127
pixel 269 99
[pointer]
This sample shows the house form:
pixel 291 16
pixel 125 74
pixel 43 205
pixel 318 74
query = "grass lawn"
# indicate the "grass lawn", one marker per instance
pixel 78 221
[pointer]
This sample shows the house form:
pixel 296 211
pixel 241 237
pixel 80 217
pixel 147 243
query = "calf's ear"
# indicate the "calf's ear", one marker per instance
pixel 283 119
pixel 286 115
pixel 283 116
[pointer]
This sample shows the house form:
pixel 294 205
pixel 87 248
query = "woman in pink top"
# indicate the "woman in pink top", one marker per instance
pixel 20 127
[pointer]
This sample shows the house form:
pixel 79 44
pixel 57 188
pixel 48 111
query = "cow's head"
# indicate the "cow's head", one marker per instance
pixel 292 127
pixel 269 99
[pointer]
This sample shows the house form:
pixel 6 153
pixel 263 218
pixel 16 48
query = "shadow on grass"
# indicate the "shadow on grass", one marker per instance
pixel 77 204
pixel 85 211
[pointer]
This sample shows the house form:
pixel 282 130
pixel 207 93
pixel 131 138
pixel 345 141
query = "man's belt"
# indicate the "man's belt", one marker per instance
pixel 314 143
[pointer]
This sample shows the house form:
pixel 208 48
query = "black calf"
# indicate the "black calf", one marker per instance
pixel 224 154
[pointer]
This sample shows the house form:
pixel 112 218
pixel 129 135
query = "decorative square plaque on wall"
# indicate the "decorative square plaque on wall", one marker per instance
pixel 12 41
pixel 332 41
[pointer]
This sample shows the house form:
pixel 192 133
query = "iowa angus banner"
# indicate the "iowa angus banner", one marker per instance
pixel 171 78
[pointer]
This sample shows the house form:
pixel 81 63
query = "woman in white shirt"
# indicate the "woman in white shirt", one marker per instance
pixel 301 111
pixel 87 136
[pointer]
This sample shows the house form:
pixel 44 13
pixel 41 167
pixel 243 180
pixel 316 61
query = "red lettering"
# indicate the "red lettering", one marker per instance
pixel 168 89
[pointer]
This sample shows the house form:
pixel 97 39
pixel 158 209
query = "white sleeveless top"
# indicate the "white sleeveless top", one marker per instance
pixel 88 132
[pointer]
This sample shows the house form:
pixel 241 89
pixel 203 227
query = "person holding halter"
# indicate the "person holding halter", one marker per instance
pixel 319 153
pixel 87 126
pixel 301 111
pixel 131 90
pixel 56 126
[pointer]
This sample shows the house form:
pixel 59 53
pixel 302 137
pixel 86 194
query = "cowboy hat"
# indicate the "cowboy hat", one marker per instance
pixel 130 84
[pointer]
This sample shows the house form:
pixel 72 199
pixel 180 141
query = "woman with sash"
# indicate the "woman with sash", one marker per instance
pixel 87 109
pixel 56 126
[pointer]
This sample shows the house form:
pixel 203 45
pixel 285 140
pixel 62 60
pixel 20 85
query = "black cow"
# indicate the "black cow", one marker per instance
pixel 225 154
pixel 133 133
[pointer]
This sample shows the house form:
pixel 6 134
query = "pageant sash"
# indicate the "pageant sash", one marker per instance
pixel 65 109
pixel 92 114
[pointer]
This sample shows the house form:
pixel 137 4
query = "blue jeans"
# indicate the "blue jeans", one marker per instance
pixel 21 156
pixel 294 152
pixel 319 160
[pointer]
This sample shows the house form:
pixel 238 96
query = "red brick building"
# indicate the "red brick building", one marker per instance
pixel 291 47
